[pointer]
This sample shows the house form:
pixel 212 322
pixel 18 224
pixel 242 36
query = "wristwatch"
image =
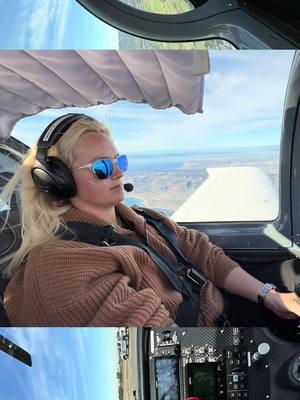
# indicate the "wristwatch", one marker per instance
pixel 264 291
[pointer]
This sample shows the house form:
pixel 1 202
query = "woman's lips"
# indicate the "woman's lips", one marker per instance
pixel 116 187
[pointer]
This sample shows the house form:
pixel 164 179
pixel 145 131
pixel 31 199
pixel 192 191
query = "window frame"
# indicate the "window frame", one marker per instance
pixel 249 236
pixel 204 23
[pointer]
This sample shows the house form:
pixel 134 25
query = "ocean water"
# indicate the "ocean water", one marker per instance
pixel 174 161
pixel 155 163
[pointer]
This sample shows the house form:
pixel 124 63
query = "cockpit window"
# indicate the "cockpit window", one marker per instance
pixel 161 6
pixel 222 165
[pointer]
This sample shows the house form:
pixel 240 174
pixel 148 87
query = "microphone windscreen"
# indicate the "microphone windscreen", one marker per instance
pixel 128 187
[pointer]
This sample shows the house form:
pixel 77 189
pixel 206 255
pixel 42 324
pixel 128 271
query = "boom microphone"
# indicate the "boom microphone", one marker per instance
pixel 128 187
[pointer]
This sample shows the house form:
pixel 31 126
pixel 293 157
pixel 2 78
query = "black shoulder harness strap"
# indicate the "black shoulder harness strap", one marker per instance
pixel 183 277
pixel 170 236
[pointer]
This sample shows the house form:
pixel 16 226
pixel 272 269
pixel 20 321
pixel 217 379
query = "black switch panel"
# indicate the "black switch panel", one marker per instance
pixel 236 360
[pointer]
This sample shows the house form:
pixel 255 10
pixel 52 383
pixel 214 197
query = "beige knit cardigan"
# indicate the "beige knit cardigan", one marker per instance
pixel 70 283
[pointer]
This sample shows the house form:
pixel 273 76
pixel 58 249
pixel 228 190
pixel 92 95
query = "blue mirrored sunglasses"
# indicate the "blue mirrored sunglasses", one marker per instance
pixel 103 168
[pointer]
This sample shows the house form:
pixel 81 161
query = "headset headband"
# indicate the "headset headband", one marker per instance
pixel 53 132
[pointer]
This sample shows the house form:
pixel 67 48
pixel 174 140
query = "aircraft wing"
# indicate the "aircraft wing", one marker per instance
pixel 32 81
pixel 231 194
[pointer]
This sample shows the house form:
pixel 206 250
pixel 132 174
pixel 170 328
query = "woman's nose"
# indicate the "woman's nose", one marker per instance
pixel 117 172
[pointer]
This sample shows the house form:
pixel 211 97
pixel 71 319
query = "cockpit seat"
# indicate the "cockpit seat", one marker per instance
pixel 10 241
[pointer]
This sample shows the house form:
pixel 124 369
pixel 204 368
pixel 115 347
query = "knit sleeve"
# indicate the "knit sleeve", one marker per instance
pixel 210 259
pixel 84 286
pixel 132 308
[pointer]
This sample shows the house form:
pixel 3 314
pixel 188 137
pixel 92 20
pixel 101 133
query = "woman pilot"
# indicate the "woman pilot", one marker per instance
pixel 74 178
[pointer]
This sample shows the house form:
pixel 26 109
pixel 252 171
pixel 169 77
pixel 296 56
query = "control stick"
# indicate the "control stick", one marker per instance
pixel 262 350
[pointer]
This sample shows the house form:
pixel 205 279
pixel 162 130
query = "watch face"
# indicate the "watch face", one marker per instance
pixel 264 291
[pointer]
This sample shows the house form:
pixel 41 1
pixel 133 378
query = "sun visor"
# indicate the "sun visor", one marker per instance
pixel 32 81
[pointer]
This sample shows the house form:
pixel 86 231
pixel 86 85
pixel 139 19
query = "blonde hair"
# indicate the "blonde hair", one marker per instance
pixel 41 216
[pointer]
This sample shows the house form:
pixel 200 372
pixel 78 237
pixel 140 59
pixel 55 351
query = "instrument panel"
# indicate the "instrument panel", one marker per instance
pixel 220 364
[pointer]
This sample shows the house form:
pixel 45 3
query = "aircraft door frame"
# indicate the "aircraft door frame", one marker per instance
pixel 204 23
pixel 293 100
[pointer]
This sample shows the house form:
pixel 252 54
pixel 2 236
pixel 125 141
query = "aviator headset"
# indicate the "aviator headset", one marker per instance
pixel 50 174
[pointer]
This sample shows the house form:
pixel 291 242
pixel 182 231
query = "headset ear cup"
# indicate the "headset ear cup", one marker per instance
pixel 55 178
pixel 50 174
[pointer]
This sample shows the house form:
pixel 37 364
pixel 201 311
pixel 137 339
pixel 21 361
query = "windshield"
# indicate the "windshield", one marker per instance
pixel 67 364
pixel 235 143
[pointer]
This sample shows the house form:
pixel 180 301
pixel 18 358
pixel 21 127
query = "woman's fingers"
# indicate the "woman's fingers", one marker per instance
pixel 285 305
pixel 289 302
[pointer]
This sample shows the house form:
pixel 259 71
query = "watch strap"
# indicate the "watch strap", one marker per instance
pixel 264 290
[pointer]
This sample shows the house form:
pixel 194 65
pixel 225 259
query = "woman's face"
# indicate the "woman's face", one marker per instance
pixel 91 191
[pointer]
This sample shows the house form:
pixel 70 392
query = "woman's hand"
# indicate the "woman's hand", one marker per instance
pixel 285 305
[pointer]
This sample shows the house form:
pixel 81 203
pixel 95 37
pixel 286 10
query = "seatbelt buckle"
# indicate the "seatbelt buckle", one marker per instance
pixel 107 240
pixel 103 243
pixel 196 277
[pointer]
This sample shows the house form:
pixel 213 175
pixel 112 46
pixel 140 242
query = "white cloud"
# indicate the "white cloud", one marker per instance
pixel 245 96
pixel 37 17
pixel 244 93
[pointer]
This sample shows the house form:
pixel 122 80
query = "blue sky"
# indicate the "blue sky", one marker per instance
pixel 52 24
pixel 243 101
pixel 67 364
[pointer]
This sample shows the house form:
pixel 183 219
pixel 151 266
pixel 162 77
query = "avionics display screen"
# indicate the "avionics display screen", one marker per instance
pixel 167 380
pixel 202 380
